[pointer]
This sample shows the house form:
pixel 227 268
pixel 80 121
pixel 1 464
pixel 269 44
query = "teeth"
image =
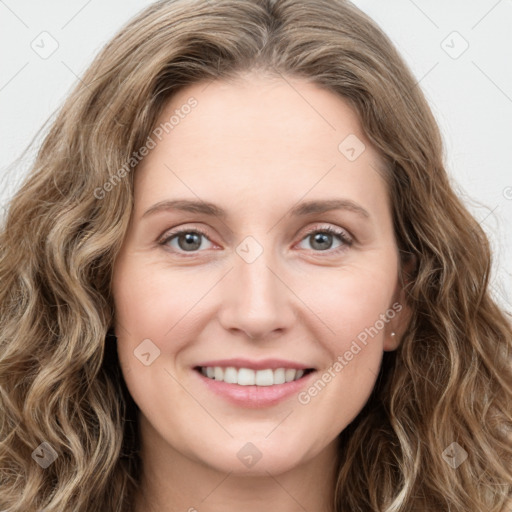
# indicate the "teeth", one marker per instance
pixel 264 378
pixel 279 376
pixel 219 373
pixel 289 374
pixel 248 377
pixel 230 375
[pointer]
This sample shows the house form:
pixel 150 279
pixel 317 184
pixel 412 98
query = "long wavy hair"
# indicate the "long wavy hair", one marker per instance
pixel 450 380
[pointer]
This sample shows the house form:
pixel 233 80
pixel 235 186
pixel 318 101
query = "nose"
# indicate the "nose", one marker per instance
pixel 256 299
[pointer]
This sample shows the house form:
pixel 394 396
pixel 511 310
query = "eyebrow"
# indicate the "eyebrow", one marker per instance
pixel 302 209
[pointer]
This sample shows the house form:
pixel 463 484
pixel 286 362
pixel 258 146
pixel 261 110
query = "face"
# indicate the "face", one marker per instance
pixel 288 262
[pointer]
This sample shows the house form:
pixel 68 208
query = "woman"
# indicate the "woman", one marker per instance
pixel 175 334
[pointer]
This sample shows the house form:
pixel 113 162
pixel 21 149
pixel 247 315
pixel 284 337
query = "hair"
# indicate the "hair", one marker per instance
pixel 450 380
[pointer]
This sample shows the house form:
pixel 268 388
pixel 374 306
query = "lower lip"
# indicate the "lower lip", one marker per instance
pixel 255 396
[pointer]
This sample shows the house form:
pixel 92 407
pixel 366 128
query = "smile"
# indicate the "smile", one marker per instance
pixel 250 377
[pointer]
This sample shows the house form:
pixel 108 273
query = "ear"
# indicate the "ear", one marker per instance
pixel 399 308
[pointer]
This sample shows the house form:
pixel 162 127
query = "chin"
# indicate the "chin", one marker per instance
pixel 253 459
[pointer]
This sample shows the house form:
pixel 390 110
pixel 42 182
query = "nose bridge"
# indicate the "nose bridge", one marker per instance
pixel 257 301
pixel 258 286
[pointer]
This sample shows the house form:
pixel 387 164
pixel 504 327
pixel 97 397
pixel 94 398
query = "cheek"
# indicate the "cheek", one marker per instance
pixel 158 304
pixel 149 300
pixel 349 300
pixel 348 304
pixel 152 301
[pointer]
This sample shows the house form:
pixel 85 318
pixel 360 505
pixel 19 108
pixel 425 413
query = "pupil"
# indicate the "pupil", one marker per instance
pixel 321 238
pixel 192 240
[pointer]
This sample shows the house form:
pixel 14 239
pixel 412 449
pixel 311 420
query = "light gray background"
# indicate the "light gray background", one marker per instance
pixel 470 91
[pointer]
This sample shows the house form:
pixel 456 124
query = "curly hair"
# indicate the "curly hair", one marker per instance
pixel 449 381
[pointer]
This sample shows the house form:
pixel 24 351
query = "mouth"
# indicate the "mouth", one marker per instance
pixel 250 377
pixel 250 383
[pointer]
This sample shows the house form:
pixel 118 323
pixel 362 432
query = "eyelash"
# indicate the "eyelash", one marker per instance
pixel 344 238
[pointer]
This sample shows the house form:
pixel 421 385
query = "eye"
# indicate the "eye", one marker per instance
pixel 188 240
pixel 191 240
pixel 323 239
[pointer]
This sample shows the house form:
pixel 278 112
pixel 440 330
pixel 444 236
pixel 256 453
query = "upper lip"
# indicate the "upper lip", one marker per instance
pixel 262 364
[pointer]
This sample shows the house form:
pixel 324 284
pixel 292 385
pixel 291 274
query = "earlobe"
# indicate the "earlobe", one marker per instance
pixel 399 323
pixel 391 342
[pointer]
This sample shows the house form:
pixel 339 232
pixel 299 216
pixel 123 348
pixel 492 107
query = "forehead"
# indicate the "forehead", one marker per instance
pixel 263 138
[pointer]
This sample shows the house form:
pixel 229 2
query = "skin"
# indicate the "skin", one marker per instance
pixel 256 147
